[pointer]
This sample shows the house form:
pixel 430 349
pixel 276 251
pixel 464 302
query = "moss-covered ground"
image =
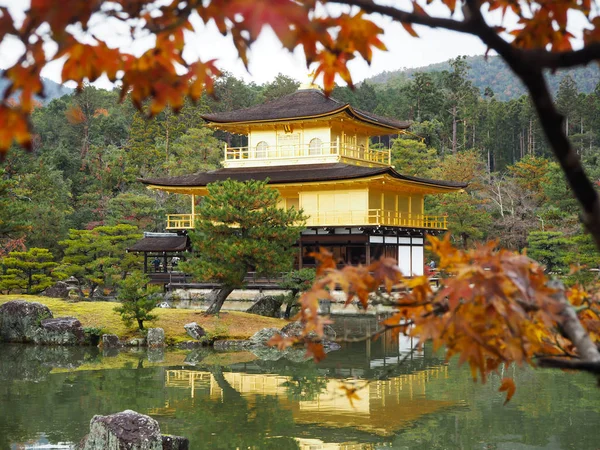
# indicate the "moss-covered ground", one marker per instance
pixel 227 325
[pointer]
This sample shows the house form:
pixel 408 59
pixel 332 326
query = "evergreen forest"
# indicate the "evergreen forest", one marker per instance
pixel 89 151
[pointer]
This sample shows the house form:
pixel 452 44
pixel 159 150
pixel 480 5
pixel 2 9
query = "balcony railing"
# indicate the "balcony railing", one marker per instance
pixel 180 221
pixel 308 151
pixel 344 218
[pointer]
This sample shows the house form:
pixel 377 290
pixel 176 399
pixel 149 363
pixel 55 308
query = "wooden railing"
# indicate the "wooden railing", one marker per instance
pixel 180 221
pixel 308 151
pixel 343 218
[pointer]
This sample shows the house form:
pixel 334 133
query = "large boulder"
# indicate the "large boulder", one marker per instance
pixel 59 290
pixel 59 331
pixel 295 330
pixel 263 336
pixel 268 306
pixel 127 430
pixel 110 341
pixel 194 330
pixel 156 337
pixel 20 320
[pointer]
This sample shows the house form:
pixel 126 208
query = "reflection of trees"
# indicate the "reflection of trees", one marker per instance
pixel 305 382
pixel 549 408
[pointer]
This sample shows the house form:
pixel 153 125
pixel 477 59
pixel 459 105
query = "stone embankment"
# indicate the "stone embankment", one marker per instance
pixel 129 430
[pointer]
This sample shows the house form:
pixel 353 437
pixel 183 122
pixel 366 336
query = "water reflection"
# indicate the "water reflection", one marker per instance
pixel 48 395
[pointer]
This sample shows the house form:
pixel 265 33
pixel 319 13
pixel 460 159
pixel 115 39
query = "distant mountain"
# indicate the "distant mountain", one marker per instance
pixel 51 89
pixel 494 73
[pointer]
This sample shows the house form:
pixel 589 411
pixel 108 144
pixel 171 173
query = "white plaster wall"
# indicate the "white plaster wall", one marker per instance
pixel 257 136
pixel 323 133
pixel 417 261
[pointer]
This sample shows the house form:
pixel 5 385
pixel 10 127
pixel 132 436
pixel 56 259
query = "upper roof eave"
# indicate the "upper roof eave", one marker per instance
pixel 295 174
pixel 301 105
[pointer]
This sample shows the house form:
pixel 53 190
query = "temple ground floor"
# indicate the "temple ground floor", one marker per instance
pixel 162 252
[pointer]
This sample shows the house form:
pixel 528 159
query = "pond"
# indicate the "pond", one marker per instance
pixel 236 401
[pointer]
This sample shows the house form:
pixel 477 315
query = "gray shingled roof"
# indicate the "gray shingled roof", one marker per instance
pixel 161 244
pixel 291 174
pixel 302 103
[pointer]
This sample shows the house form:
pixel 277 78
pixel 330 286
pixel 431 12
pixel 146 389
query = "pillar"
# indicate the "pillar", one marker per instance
pixel 193 211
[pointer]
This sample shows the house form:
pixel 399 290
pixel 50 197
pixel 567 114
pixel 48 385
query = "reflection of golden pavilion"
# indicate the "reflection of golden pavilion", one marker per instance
pixel 384 407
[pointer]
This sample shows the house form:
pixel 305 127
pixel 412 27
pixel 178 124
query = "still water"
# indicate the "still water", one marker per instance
pixel 237 401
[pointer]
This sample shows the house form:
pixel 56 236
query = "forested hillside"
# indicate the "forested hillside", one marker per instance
pixel 492 72
pixel 89 151
pixel 52 89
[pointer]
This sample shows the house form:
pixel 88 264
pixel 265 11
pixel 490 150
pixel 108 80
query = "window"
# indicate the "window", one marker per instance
pixel 314 147
pixel 261 149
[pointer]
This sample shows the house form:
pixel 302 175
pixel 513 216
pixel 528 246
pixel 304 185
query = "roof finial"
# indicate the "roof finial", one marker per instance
pixel 310 82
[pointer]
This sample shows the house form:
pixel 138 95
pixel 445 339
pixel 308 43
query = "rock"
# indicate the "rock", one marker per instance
pixel 125 430
pixel 110 341
pixel 295 329
pixel 136 342
pixel 156 337
pixel 194 330
pixel 19 320
pixel 231 345
pixel 59 290
pixel 60 331
pixel 268 306
pixel 175 443
pixel 263 336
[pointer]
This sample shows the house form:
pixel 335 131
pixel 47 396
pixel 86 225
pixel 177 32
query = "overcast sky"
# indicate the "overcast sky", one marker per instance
pixel 268 58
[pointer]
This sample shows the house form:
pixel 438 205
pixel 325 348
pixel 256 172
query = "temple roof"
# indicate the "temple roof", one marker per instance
pixel 302 104
pixel 173 243
pixel 293 174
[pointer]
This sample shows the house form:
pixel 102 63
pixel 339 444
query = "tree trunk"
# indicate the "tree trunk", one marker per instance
pixel 220 298
pixel 140 324
pixel 454 129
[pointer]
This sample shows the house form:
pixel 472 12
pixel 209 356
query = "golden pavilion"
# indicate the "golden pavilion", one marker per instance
pixel 316 151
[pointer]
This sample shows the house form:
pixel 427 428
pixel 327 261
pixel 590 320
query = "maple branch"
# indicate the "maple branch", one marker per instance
pixel 409 17
pixel 574 330
pixel 530 73
pixel 552 124
pixel 570 364
pixel 557 60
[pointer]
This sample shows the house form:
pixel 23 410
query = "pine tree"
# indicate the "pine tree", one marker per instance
pixel 137 299
pixel 30 272
pixel 241 229
pixel 98 257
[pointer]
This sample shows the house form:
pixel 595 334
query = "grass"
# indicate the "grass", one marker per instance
pixel 228 325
